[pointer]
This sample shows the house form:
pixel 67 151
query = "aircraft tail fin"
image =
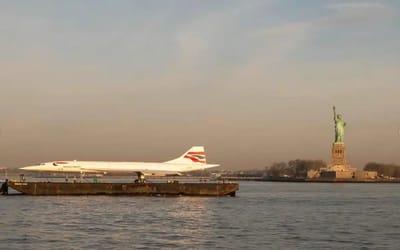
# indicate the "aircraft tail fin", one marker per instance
pixel 193 155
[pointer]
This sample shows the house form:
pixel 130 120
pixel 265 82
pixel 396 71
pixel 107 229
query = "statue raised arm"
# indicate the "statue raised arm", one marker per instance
pixel 334 113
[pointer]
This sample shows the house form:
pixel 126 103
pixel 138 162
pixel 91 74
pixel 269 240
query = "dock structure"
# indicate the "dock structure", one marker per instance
pixel 144 189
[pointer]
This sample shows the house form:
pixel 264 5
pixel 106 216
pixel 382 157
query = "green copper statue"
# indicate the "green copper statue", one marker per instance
pixel 339 127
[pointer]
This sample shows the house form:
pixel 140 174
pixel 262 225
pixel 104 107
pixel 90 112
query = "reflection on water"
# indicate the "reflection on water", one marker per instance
pixel 263 215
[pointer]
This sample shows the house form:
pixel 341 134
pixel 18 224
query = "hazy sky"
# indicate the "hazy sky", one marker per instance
pixel 252 81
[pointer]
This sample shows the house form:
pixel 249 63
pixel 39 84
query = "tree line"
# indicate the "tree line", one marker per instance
pixel 294 168
pixel 384 170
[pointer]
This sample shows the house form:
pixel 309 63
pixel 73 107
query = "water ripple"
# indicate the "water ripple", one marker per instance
pixel 262 216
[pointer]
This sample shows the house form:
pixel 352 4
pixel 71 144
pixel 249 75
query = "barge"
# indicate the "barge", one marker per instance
pixel 146 189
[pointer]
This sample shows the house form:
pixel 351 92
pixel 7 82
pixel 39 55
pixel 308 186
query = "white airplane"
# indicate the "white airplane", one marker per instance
pixel 193 159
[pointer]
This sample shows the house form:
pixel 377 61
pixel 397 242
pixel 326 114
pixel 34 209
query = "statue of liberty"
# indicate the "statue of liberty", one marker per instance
pixel 339 127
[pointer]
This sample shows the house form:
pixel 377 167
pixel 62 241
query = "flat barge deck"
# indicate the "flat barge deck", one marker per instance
pixel 146 189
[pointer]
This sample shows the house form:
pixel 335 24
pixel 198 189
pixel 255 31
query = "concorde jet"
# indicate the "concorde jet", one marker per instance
pixel 193 159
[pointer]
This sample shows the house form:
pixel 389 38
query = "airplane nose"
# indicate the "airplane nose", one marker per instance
pixel 29 168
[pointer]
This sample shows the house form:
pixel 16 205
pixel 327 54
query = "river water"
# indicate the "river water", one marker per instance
pixel 263 215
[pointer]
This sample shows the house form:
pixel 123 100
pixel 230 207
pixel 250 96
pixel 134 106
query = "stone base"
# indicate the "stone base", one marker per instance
pixel 339 154
pixel 337 174
pixel 366 174
pixel 313 173
pixel 340 168
pixel 348 173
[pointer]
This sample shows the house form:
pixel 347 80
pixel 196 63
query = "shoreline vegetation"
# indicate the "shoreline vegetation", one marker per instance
pixel 295 169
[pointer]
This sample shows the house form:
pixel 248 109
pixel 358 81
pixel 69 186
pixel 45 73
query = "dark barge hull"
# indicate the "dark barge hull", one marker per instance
pixel 147 189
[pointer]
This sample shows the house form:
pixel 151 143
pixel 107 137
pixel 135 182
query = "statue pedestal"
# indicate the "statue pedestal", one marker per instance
pixel 339 169
pixel 338 154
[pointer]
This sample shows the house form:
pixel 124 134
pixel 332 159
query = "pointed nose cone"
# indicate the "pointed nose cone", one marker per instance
pixel 31 168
